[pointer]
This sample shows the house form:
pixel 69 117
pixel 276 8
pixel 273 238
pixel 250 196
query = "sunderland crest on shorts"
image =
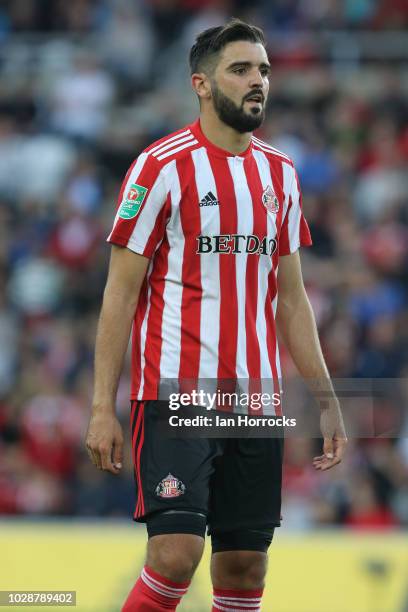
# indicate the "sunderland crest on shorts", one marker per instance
pixel 270 200
pixel 170 487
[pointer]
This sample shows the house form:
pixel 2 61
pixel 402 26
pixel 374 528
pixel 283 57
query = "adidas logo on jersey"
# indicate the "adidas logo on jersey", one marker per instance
pixel 209 200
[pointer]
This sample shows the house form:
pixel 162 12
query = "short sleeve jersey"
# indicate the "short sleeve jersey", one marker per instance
pixel 213 225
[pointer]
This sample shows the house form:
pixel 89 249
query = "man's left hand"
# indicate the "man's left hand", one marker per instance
pixel 331 457
pixel 334 436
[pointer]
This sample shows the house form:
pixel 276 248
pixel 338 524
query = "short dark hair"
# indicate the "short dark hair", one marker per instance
pixel 209 43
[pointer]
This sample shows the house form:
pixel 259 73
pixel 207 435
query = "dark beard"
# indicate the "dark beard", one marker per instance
pixel 234 115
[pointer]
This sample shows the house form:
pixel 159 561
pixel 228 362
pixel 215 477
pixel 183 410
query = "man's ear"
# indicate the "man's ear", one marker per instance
pixel 201 85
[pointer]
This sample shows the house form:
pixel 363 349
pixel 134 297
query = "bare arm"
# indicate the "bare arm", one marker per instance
pixel 297 326
pixel 125 277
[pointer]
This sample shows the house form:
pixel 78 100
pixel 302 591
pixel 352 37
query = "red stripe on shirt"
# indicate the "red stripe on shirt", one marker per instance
pixel 154 332
pixel 259 228
pixel 276 167
pixel 277 177
pixel 159 229
pixel 191 277
pixel 228 336
pixel 271 333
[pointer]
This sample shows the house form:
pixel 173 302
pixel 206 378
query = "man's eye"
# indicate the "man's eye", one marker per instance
pixel 240 70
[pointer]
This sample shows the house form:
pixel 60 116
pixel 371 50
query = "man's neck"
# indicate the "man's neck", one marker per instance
pixel 223 136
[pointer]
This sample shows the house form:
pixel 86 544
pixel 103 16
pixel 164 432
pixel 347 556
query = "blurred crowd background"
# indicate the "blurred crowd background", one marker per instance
pixel 85 85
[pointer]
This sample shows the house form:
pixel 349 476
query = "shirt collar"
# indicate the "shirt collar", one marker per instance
pixel 212 148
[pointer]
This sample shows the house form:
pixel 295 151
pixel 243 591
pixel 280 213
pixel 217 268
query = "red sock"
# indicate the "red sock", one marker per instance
pixel 230 600
pixel 154 593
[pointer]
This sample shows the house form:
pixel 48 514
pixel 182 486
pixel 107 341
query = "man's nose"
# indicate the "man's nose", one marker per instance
pixel 256 79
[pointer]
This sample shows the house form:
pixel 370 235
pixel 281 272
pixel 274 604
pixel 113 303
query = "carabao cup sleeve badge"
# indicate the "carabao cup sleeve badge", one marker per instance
pixel 132 202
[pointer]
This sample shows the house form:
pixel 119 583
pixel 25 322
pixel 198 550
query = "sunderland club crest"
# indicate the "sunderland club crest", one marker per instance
pixel 270 200
pixel 170 487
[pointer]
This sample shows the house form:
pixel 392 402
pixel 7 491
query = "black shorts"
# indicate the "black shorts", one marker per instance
pixel 235 482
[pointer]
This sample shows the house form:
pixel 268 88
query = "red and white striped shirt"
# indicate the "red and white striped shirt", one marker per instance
pixel 214 226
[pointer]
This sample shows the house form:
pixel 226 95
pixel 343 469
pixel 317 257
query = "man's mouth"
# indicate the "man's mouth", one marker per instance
pixel 255 98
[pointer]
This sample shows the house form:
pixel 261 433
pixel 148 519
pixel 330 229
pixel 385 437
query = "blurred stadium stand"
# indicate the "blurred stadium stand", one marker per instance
pixel 85 85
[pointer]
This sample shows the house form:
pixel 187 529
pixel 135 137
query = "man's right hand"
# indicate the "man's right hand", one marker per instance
pixel 104 442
